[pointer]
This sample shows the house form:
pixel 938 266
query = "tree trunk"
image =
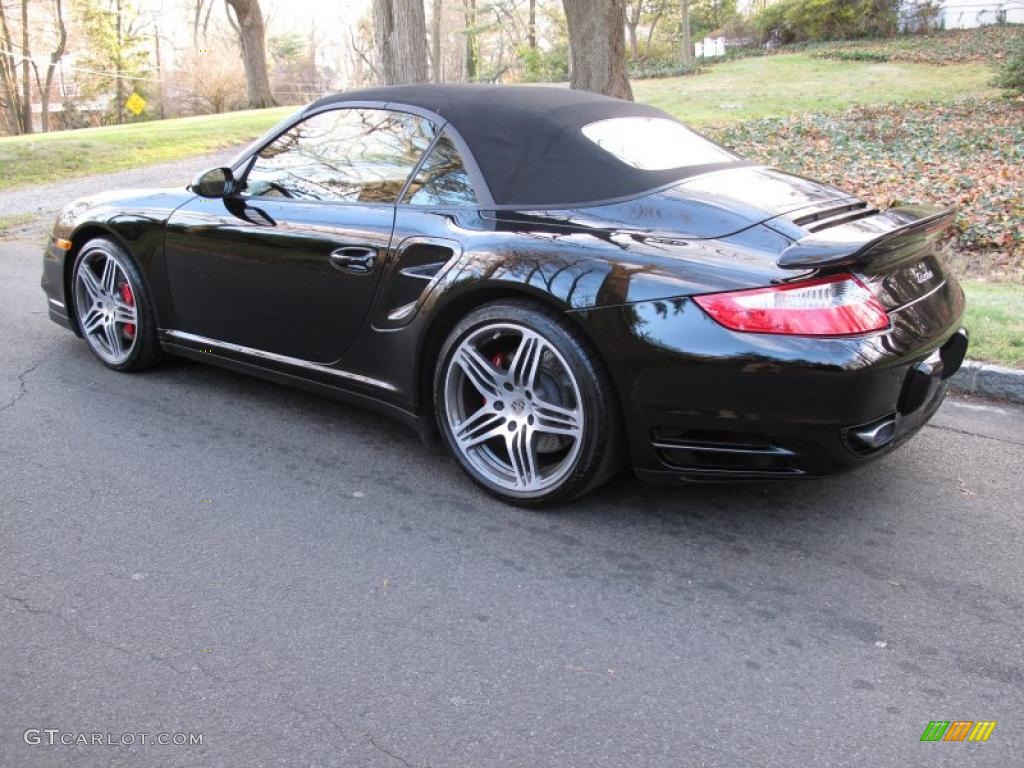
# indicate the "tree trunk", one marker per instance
pixel 531 26
pixel 58 52
pixel 9 73
pixel 469 60
pixel 26 84
pixel 687 43
pixel 251 35
pixel 632 22
pixel 435 41
pixel 598 46
pixel 634 51
pixel 401 36
pixel 650 34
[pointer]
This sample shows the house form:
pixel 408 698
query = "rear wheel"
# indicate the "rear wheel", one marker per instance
pixel 525 405
pixel 112 307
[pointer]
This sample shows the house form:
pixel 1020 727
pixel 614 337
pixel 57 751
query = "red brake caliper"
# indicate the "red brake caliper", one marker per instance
pixel 497 360
pixel 128 298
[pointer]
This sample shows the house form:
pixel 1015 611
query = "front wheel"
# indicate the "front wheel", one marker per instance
pixel 112 307
pixel 525 406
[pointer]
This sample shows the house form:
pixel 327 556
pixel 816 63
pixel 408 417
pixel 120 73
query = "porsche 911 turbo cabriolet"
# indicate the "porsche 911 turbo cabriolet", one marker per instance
pixel 555 282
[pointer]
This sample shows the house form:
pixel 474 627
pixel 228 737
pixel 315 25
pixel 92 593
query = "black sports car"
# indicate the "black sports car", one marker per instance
pixel 559 282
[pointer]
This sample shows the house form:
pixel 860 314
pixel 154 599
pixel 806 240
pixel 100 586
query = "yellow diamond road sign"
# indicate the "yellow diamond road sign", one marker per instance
pixel 135 103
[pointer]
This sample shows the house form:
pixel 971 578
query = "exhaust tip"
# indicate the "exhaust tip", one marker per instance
pixel 875 435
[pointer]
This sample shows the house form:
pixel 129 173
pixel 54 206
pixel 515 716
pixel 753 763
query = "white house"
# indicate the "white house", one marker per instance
pixel 952 14
pixel 966 14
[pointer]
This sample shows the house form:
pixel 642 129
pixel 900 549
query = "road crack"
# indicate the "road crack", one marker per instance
pixel 370 741
pixel 973 434
pixel 22 386
pixel 388 752
pixel 146 655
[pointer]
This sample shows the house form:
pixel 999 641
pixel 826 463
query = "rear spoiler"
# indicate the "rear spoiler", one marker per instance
pixel 899 229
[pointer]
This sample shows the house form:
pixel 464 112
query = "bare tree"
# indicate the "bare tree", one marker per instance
pixel 250 28
pixel 55 57
pixel 598 46
pixel 687 43
pixel 210 83
pixel 658 10
pixel 401 37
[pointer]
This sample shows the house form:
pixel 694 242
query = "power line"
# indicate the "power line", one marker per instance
pixel 46 63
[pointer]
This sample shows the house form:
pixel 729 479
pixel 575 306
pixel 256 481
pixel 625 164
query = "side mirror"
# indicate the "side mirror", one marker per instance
pixel 217 182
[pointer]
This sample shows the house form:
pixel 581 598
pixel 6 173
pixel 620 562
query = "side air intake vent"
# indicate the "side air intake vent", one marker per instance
pixel 710 453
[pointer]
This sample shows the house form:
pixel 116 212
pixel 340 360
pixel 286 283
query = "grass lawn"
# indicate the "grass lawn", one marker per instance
pixel 60 155
pixel 995 320
pixel 791 84
pixel 8 223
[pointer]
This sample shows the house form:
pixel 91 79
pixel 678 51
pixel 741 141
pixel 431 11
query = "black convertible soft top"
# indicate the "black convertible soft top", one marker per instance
pixel 528 142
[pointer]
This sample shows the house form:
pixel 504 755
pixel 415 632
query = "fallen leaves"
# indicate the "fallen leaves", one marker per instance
pixel 953 46
pixel 968 155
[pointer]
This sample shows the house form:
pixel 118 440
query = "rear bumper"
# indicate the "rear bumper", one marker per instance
pixel 702 403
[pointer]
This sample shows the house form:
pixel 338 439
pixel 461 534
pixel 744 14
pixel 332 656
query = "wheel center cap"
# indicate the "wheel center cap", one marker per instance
pixel 518 406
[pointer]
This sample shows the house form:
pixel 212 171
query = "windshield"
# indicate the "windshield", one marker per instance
pixel 654 143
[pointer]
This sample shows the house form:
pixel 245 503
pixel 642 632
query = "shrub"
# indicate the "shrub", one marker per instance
pixel 539 66
pixel 1011 73
pixel 841 55
pixel 639 70
pixel 791 21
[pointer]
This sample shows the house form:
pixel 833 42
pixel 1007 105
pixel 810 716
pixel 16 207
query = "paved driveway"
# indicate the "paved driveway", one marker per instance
pixel 305 584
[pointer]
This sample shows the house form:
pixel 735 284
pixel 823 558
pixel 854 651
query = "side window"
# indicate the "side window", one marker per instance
pixel 442 179
pixel 346 155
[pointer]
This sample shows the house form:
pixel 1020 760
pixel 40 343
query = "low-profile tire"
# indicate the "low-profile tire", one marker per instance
pixel 113 308
pixel 525 405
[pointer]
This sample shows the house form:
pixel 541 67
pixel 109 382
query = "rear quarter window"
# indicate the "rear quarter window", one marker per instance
pixel 655 143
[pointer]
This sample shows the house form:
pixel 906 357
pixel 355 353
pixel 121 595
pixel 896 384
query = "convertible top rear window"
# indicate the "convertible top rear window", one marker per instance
pixel 654 143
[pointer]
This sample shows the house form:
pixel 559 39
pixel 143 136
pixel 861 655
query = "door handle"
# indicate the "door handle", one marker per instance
pixel 357 259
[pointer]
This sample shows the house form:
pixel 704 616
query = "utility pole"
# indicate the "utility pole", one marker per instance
pixel 119 67
pixel 159 71
pixel 26 83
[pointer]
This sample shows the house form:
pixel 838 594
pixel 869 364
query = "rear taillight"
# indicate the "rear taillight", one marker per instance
pixel 830 306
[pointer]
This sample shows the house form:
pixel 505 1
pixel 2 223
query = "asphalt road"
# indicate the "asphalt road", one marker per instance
pixel 306 584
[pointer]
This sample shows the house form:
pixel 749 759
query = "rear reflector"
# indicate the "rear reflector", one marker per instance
pixel 830 306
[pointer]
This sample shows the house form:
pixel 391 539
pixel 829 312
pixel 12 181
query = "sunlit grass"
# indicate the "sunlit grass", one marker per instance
pixel 48 157
pixel 995 320
pixel 790 84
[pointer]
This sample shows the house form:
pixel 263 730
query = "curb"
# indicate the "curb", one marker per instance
pixel 989 381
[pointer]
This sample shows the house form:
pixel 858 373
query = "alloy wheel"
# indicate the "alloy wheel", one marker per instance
pixel 105 306
pixel 514 409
